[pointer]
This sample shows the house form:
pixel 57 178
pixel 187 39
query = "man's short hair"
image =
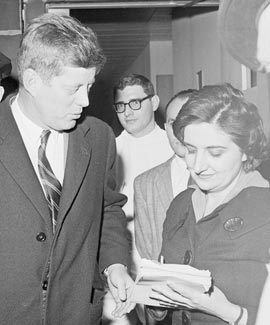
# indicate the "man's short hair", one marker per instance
pixel 183 94
pixel 51 42
pixel 132 79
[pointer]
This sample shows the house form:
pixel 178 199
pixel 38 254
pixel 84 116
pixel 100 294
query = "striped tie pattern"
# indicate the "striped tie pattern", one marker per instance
pixel 50 183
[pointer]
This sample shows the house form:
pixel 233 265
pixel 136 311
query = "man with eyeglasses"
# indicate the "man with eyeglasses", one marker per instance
pixel 141 146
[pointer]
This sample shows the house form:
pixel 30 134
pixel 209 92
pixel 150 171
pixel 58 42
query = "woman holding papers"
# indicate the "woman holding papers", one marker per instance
pixel 222 224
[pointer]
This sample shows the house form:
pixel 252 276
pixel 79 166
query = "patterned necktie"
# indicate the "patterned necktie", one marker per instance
pixel 50 183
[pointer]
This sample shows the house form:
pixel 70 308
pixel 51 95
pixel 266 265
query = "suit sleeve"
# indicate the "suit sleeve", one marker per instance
pixel 143 233
pixel 113 243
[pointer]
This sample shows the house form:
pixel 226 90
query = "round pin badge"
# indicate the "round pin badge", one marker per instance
pixel 233 224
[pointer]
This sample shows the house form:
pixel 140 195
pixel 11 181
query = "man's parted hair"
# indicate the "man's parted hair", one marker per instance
pixel 51 42
pixel 132 80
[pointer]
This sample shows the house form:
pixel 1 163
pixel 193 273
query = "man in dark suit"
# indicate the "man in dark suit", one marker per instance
pixel 58 204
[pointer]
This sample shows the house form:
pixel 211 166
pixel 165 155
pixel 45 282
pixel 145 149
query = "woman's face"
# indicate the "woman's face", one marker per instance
pixel 213 159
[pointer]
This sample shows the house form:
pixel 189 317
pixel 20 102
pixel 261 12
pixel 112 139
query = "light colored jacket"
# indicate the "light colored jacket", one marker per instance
pixel 152 196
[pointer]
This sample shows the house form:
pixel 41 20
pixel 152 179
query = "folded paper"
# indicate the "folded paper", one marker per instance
pixel 152 273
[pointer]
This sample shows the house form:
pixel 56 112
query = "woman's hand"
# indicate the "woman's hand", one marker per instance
pixel 180 294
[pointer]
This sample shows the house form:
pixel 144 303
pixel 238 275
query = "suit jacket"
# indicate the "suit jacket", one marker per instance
pixel 152 196
pixel 232 242
pixel 90 208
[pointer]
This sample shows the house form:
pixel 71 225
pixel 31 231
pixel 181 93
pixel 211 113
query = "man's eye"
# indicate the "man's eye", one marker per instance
pixel 134 102
pixel 72 90
pixel 119 105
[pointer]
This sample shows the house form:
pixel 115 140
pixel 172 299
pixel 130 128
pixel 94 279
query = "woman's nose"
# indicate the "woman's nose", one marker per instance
pixel 200 163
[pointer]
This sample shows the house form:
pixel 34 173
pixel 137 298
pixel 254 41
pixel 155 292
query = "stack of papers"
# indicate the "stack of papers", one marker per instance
pixel 152 273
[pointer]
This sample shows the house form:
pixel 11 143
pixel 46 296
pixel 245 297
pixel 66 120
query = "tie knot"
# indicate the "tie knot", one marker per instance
pixel 44 137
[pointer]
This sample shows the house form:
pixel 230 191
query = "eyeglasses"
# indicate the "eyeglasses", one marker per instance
pixel 134 104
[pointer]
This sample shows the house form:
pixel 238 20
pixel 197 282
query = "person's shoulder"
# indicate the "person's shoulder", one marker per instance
pixel 122 141
pixel 264 169
pixel 120 138
pixel 153 173
pixel 183 199
pixel 252 194
pixel 252 205
pixel 159 129
pixel 161 133
pixel 96 124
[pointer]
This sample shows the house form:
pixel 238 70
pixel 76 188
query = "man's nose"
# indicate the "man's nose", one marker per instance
pixel 128 111
pixel 83 97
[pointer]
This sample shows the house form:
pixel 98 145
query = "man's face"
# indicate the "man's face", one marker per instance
pixel 139 122
pixel 263 43
pixel 172 111
pixel 59 103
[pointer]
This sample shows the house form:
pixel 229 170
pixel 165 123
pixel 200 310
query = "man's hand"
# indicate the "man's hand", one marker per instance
pixel 121 286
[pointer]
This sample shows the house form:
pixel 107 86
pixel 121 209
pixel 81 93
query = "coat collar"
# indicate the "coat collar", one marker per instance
pixel 246 198
pixel 15 159
pixel 77 162
pixel 243 181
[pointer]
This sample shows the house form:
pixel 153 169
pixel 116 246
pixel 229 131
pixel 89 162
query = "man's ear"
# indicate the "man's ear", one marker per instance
pixel 31 81
pixel 155 102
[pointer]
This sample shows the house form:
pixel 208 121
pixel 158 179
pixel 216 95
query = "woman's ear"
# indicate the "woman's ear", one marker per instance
pixel 155 102
pixel 31 81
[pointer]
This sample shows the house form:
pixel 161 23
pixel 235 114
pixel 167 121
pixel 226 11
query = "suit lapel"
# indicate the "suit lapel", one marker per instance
pixel 77 162
pixel 15 159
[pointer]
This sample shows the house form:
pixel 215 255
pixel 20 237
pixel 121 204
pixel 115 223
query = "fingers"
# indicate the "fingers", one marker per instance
pixel 123 308
pixel 113 291
pixel 121 285
pixel 122 294
pixel 168 295
pixel 162 300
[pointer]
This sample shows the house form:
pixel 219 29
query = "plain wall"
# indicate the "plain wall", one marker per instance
pixel 196 47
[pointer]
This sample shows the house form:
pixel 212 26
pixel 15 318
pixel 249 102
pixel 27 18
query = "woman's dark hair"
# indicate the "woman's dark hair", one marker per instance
pixel 226 107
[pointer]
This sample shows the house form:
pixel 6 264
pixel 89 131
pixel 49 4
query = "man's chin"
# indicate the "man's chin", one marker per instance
pixel 68 126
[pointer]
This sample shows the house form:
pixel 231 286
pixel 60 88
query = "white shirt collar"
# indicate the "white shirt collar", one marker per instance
pixel 30 131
